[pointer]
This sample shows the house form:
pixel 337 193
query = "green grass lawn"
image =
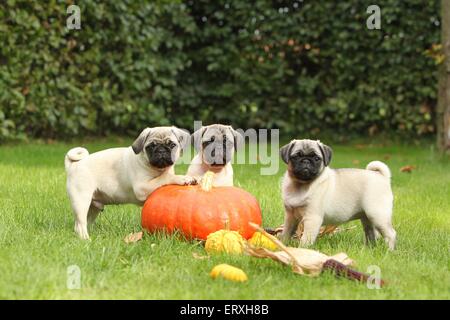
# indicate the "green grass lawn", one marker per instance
pixel 37 242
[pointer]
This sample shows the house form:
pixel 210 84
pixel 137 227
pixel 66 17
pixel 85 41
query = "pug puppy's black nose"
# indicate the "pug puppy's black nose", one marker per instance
pixel 305 161
pixel 161 149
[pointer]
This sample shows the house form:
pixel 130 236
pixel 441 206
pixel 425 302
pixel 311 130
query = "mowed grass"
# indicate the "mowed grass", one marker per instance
pixel 37 242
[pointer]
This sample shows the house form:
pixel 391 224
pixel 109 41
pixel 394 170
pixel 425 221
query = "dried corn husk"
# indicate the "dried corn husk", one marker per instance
pixel 303 261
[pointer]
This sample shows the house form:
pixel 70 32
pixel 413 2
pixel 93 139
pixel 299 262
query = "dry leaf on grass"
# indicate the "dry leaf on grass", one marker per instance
pixel 327 230
pixel 356 162
pixel 408 168
pixel 133 237
pixel 199 256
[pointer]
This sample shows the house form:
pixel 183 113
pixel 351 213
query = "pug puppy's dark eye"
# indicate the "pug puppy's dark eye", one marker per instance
pixel 171 145
pixel 316 158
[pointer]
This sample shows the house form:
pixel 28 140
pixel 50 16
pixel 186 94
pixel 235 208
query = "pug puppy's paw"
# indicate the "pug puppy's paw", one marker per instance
pixel 186 180
pixel 198 179
pixel 192 180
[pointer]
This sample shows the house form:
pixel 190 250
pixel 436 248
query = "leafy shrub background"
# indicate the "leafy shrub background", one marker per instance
pixel 306 67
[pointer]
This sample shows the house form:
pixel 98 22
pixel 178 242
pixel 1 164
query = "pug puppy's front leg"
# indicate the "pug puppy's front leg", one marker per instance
pixel 311 228
pixel 144 189
pixel 290 224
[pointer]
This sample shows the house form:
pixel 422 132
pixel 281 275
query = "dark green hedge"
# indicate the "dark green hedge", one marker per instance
pixel 302 66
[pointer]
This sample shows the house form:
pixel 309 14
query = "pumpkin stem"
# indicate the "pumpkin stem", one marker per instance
pixel 207 181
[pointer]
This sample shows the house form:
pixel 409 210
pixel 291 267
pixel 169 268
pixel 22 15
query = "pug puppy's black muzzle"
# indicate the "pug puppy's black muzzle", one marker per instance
pixel 304 169
pixel 218 156
pixel 159 156
pixel 219 162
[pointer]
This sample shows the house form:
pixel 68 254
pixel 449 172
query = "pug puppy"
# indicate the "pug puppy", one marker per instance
pixel 123 175
pixel 215 145
pixel 317 195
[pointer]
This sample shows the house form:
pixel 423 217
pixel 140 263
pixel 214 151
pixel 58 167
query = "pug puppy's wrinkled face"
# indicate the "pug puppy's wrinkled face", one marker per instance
pixel 306 159
pixel 216 143
pixel 162 151
pixel 162 146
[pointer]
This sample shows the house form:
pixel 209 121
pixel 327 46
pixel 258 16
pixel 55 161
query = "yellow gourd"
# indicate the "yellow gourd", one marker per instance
pixel 227 241
pixel 228 272
pixel 259 240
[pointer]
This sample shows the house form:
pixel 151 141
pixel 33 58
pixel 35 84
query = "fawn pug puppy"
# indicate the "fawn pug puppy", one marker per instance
pixel 315 194
pixel 215 145
pixel 123 175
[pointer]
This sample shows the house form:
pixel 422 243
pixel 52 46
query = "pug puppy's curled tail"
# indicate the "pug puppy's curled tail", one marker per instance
pixel 380 167
pixel 75 155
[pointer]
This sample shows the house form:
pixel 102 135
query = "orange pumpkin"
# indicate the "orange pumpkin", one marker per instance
pixel 196 211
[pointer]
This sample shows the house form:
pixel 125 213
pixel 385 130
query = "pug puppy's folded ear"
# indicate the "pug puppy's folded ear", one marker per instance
pixel 285 151
pixel 238 138
pixel 138 144
pixel 327 153
pixel 196 138
pixel 183 137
